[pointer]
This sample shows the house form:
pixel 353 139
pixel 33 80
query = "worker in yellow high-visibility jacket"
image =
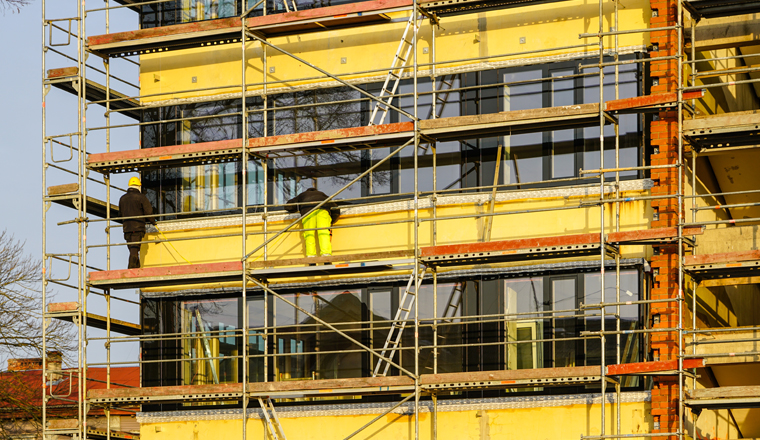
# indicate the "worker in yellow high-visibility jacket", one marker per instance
pixel 322 219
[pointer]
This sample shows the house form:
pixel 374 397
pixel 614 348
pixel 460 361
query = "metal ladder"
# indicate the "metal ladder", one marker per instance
pixel 399 322
pixel 287 8
pixel 454 302
pixel 442 100
pixel 273 423
pixel 399 65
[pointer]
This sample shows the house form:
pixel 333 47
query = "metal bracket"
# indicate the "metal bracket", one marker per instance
pixel 50 33
pixel 49 257
pixel 52 140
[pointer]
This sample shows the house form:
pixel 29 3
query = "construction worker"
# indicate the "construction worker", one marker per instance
pixel 133 204
pixel 322 218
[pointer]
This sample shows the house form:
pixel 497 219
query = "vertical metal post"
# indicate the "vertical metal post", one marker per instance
pixel 82 259
pixel 434 196
pixel 107 181
pixel 265 159
pixel 415 11
pixel 435 322
pixel 244 194
pixel 601 217
pixel 618 386
pixel 680 205
pixel 694 284
pixel 45 89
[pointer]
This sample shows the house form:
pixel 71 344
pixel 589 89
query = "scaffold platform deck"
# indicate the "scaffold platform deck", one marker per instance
pixel 167 275
pixel 68 195
pixel 724 397
pixel 721 8
pixel 229 150
pixel 395 134
pixel 723 265
pixel 445 382
pixel 565 246
pixel 233 271
pixel 228 30
pixel 65 79
pixel 67 311
pixel 718 133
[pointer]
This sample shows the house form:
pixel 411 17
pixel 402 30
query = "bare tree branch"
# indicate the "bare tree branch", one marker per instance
pixel 13 5
pixel 21 306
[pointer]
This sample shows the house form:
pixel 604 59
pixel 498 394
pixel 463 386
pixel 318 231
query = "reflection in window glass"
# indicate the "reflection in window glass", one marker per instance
pixel 256 338
pixel 563 323
pixel 524 152
pixel 380 316
pixel 524 296
pixel 306 349
pixel 211 351
pixel 527 158
pixel 563 141
pixel 447 304
pixel 462 321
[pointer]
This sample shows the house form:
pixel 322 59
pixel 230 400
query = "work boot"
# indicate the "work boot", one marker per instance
pixel 134 260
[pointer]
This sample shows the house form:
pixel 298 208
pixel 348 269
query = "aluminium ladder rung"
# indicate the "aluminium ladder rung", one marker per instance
pixel 272 421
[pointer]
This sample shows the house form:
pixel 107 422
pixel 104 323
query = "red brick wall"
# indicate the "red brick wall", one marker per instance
pixel 664 139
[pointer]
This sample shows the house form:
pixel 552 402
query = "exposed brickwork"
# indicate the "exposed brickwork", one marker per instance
pixel 664 141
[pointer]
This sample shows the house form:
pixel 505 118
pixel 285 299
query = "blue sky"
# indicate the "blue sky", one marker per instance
pixel 21 145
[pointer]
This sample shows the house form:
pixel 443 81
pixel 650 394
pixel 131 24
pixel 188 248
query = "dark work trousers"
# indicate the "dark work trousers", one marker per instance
pixel 134 249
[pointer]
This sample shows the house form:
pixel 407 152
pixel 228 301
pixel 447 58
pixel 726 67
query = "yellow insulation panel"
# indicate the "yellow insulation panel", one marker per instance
pixel 390 231
pixel 546 29
pixel 571 422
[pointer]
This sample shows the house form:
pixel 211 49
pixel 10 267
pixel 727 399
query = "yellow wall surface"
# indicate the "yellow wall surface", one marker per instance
pixel 369 235
pixel 494 34
pixel 565 422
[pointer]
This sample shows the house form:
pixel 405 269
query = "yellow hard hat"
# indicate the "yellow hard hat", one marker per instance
pixel 135 181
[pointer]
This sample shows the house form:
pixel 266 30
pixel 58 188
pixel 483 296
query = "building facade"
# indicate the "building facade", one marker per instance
pixel 546 220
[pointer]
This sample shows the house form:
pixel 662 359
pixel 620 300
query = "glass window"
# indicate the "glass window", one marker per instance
pixel 210 346
pixel 305 348
pixel 524 297
pixel 472 324
pixel 186 11
pixel 527 159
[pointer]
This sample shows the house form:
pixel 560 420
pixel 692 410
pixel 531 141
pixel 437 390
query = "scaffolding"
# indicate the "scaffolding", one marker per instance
pixel 255 268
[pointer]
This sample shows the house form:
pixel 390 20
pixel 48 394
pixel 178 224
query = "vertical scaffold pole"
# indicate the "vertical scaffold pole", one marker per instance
pixel 680 168
pixel 618 385
pixel 694 284
pixel 415 36
pixel 244 206
pixel 107 181
pixel 82 213
pixel 601 216
pixel 45 89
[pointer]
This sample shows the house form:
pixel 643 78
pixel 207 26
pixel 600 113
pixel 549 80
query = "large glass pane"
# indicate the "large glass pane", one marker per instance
pixel 630 344
pixel 305 348
pixel 563 325
pixel 523 297
pixel 211 346
pixel 563 141
pixel 256 338
pixel 524 160
pixel 629 125
pixel 447 305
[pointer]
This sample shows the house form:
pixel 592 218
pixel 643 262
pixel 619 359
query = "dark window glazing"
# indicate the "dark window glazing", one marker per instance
pixel 528 160
pixel 474 324
pixel 186 11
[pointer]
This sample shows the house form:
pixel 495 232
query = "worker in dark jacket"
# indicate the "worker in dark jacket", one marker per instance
pixel 133 204
pixel 322 219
